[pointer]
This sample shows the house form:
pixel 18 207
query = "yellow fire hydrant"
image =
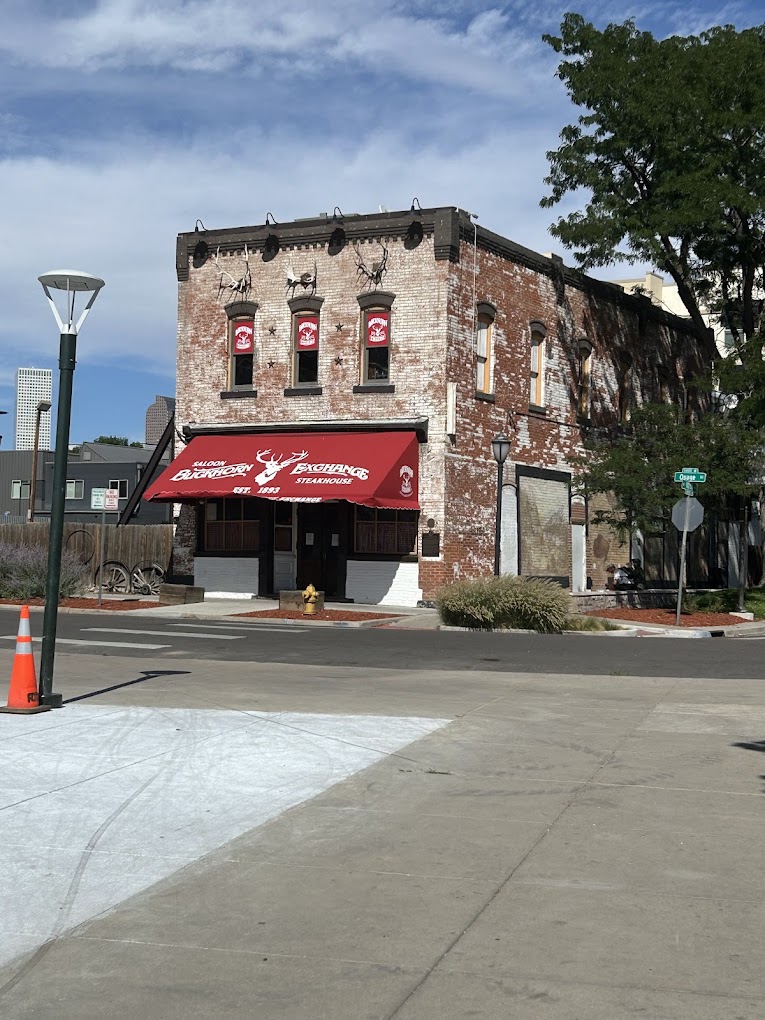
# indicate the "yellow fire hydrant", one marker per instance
pixel 310 598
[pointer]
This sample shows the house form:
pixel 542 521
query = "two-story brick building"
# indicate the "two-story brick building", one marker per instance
pixel 340 380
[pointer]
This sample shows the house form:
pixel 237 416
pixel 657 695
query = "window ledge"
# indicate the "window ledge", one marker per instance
pixel 375 388
pixel 488 397
pixel 536 409
pixel 237 394
pixel 303 391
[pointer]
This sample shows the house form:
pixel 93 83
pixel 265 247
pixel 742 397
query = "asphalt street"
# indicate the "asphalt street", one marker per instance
pixel 230 640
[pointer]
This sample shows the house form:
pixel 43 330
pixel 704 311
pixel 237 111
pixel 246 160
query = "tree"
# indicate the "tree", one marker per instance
pixel 637 465
pixel 671 151
pixel 112 440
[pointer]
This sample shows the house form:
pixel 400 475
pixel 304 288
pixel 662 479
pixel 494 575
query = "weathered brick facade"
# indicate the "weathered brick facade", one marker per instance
pixel 438 269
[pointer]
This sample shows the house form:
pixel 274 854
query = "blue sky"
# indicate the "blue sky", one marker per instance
pixel 124 120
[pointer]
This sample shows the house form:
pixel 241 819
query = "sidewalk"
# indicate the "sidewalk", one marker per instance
pixel 544 847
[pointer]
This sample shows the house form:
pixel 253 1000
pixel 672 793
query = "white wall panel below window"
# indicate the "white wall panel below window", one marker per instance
pixel 224 576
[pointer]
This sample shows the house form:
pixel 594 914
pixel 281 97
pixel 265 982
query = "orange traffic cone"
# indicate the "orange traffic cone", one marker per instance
pixel 23 696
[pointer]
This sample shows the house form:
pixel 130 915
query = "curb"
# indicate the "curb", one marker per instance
pixel 271 620
pixel 622 632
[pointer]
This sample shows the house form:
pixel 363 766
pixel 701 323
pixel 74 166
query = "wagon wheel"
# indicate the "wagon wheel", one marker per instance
pixel 146 578
pixel 116 578
pixel 85 554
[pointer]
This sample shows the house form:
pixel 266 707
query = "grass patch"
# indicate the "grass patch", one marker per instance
pixel 726 601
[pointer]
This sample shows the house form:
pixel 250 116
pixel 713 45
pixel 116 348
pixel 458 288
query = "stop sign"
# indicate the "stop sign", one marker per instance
pixel 695 514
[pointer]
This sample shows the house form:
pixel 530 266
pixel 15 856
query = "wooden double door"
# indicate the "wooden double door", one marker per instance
pixel 323 531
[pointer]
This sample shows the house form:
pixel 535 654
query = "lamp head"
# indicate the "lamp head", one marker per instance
pixel 71 282
pixel 44 405
pixel 500 447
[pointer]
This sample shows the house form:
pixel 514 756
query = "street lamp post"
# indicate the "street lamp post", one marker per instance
pixel 70 283
pixel 42 407
pixel 500 447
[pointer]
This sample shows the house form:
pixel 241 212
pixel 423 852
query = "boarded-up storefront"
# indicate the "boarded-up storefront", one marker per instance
pixel 544 524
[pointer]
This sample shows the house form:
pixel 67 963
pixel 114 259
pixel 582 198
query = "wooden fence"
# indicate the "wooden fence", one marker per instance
pixel 129 544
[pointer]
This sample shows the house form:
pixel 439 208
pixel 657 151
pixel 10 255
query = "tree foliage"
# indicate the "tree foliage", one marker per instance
pixel 637 466
pixel 670 149
pixel 118 441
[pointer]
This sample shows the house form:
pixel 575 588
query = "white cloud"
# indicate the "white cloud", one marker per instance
pixel 115 213
pixel 215 36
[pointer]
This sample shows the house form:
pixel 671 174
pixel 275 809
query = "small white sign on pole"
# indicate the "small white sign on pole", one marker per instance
pixel 111 499
pixel 97 499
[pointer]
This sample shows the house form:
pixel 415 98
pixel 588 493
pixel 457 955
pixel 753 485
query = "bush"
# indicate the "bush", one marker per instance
pixel 499 603
pixel 24 570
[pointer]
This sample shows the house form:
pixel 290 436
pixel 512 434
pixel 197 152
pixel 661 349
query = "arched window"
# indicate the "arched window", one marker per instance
pixel 484 350
pixel 376 337
pixel 585 374
pixel 537 365
pixel 241 344
pixel 305 340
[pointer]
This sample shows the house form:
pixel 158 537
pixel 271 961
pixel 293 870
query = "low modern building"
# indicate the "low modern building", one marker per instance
pixel 339 383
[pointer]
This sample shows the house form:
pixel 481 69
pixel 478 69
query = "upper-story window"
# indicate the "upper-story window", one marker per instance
pixel 484 347
pixel 241 345
pixel 376 318
pixel 624 388
pixel 585 375
pixel 121 485
pixel 376 345
pixel 305 340
pixel 306 348
pixel 537 369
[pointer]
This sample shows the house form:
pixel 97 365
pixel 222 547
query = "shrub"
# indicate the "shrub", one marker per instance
pixel 24 570
pixel 498 603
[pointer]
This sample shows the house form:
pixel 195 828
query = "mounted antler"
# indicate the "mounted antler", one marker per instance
pixel 303 280
pixel 371 277
pixel 238 286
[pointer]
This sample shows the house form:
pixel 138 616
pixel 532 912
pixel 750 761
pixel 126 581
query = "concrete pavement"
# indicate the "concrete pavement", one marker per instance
pixel 566 847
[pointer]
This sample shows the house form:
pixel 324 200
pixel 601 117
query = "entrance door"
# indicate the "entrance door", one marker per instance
pixel 322 533
pixel 284 547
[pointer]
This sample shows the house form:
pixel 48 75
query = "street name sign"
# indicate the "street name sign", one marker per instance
pixel 691 475
pixel 695 514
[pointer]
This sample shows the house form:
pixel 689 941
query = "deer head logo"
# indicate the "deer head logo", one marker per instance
pixel 407 474
pixel 273 465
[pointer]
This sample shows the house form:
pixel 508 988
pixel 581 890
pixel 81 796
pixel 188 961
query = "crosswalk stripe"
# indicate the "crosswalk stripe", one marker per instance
pixel 252 628
pixel 91 641
pixel 161 633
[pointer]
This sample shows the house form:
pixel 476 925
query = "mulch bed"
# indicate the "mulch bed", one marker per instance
pixel 667 616
pixel 75 603
pixel 323 614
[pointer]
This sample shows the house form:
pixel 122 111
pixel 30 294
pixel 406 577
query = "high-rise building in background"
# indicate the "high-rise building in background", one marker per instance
pixel 32 386
pixel 158 415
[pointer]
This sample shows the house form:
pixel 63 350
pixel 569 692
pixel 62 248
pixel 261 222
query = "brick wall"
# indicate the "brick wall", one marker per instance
pixel 432 343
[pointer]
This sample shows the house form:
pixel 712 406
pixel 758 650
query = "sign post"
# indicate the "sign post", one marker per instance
pixel 687 514
pixel 103 500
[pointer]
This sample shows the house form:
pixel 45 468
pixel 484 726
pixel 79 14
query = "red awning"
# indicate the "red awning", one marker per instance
pixel 377 469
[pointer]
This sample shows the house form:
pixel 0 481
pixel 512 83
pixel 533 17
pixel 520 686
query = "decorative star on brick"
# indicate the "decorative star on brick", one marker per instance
pixel 338 360
pixel 272 330
pixel 271 364
pixel 339 327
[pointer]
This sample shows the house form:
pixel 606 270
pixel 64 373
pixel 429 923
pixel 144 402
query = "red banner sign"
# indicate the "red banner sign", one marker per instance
pixel 378 329
pixel 244 337
pixel 377 469
pixel 308 333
